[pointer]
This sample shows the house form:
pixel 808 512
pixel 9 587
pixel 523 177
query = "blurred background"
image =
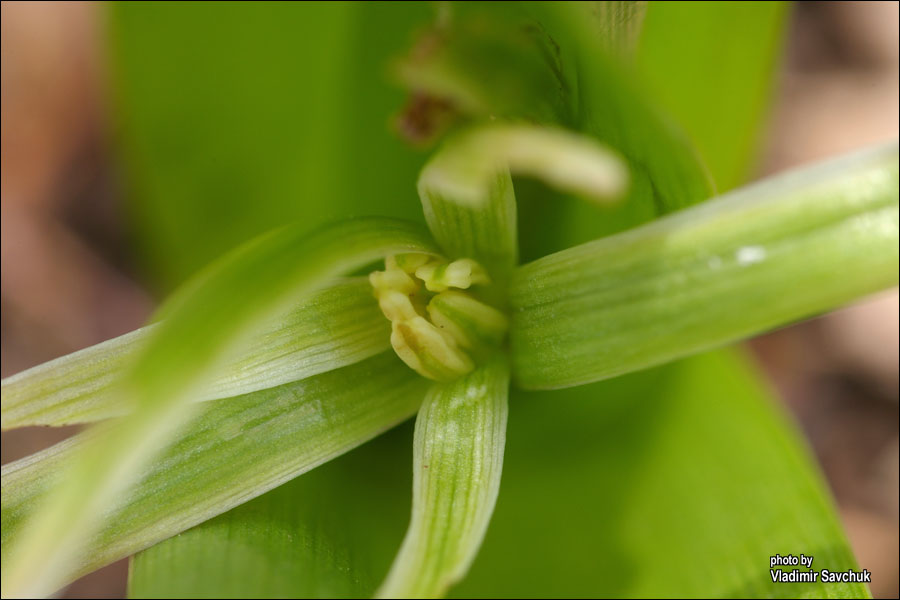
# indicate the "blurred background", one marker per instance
pixel 74 268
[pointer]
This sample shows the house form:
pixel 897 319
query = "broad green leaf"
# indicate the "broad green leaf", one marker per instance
pixel 336 326
pixel 268 125
pixel 467 193
pixel 236 449
pixel 711 65
pixel 218 311
pixel 457 462
pixel 787 248
pixel 678 482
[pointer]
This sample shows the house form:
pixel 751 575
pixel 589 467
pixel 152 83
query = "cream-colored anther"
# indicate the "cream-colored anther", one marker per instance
pixel 393 279
pixel 428 351
pixel 460 274
pixel 472 323
pixel 407 262
pixel 437 348
pixel 397 306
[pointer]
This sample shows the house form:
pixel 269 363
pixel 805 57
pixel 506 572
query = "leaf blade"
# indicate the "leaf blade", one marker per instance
pixel 717 86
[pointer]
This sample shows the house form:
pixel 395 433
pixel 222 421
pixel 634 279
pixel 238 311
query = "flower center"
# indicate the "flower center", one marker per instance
pixel 439 327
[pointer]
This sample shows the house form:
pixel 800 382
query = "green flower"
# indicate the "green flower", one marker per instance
pixel 293 361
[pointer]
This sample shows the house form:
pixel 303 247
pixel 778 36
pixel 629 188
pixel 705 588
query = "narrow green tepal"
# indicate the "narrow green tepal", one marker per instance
pixel 784 249
pixel 457 461
pixel 201 327
pixel 467 192
pixel 612 105
pixel 234 450
pixel 336 326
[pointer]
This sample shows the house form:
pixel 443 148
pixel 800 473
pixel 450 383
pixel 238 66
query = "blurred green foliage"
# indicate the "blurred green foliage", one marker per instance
pixel 235 118
pixel 710 65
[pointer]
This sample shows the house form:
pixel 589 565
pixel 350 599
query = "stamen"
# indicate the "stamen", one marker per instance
pixel 437 335
pixel 461 274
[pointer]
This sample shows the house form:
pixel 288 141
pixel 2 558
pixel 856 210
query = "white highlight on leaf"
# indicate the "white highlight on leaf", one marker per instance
pixel 749 255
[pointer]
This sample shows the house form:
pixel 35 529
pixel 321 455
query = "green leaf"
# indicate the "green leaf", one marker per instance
pixel 253 284
pixel 76 388
pixel 217 311
pixel 711 66
pixel 336 326
pixel 234 450
pixel 679 481
pixel 752 260
pixel 267 126
pixel 457 462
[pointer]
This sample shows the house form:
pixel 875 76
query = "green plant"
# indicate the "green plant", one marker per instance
pixel 265 366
